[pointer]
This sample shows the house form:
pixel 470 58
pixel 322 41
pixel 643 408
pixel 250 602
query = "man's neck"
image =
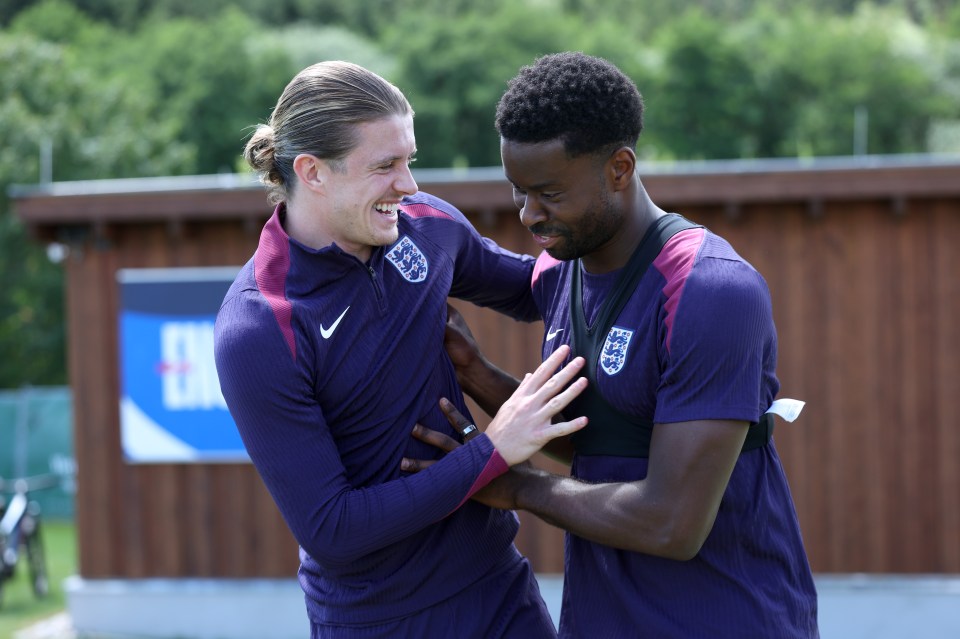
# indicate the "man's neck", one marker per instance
pixel 640 214
pixel 304 225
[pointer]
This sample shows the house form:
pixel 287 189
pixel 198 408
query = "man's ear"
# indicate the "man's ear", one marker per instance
pixel 622 164
pixel 311 172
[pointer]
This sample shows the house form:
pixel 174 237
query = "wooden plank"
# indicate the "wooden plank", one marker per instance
pixel 877 456
pixel 93 506
pixel 791 303
pixel 195 520
pixel 160 547
pixel 889 398
pixel 819 420
pixel 944 379
pixel 857 380
pixel 916 430
pixel 93 342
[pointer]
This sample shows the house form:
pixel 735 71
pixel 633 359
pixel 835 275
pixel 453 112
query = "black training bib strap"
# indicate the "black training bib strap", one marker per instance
pixel 660 230
pixel 610 431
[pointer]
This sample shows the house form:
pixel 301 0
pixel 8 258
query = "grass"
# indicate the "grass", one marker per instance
pixel 20 608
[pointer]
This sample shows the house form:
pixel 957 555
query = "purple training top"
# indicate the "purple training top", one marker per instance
pixel 326 364
pixel 695 341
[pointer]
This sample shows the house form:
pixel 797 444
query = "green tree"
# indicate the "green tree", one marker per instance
pixel 454 72
pixel 818 70
pixel 163 87
pixel 95 130
pixel 203 79
pixel 32 335
pixel 705 101
pixel 98 125
pixel 202 82
pixel 303 44
pixel 54 21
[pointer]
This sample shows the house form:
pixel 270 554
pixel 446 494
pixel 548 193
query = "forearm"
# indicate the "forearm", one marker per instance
pixel 621 515
pixel 490 387
pixel 341 524
pixel 487 385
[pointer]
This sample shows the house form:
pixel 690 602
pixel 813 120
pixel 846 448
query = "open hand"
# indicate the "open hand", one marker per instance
pixel 501 492
pixel 524 423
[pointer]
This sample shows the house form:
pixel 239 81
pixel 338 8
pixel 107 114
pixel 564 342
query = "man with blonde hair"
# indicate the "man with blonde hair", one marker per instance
pixel 329 348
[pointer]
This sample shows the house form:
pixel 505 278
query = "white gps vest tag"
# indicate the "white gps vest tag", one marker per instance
pixel 788 409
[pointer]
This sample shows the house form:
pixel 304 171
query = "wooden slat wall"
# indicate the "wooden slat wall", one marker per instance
pixel 866 303
pixel 867 306
pixel 157 520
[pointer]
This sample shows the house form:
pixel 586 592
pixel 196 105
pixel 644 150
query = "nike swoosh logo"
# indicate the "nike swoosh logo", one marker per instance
pixel 551 334
pixel 327 332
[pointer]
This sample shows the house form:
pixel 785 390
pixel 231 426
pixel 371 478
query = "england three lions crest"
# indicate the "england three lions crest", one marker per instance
pixel 614 352
pixel 409 260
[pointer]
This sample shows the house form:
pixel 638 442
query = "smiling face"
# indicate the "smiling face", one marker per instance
pixel 363 190
pixel 564 201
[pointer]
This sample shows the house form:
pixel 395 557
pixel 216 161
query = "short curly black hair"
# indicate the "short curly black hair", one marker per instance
pixel 586 101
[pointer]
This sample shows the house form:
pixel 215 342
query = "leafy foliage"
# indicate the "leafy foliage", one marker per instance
pixel 96 131
pixel 164 87
pixel 201 78
pixel 455 72
pixel 707 71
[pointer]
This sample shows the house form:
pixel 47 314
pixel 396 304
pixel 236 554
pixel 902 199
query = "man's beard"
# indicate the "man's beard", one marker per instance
pixel 596 228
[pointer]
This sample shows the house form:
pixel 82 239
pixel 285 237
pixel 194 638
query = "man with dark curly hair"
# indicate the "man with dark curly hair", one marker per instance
pixel 678 515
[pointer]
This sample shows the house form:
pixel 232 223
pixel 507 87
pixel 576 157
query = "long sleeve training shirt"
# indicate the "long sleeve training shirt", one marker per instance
pixel 326 364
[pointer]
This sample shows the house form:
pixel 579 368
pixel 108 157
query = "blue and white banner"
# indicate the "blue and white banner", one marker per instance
pixel 171 408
